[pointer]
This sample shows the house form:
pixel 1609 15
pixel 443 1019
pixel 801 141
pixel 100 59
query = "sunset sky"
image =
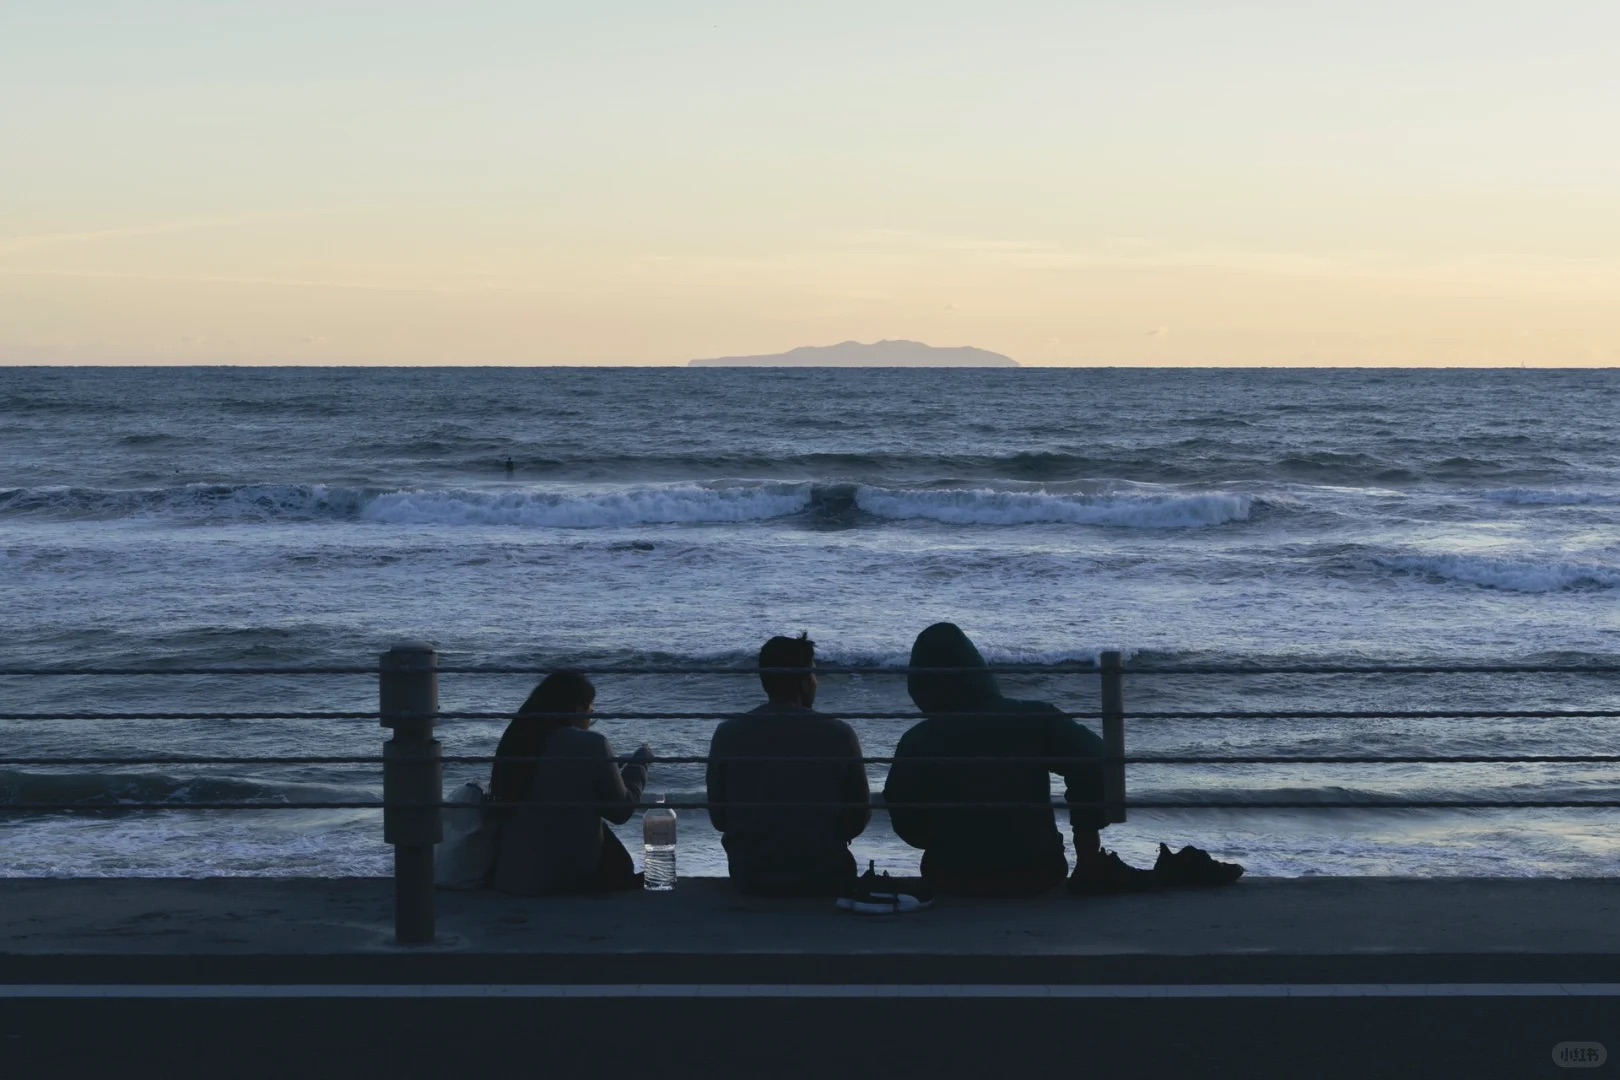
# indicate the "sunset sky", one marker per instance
pixel 1162 182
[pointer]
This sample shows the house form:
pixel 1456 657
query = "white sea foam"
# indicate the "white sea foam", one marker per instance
pixel 223 503
pixel 683 504
pixel 1241 795
pixel 983 507
pixel 672 504
pixel 1554 497
pixel 1514 575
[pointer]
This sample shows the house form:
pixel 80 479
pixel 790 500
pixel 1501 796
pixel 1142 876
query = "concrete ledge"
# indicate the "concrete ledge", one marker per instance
pixel 1314 930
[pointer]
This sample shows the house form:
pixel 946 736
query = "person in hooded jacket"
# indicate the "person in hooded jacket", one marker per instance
pixel 987 849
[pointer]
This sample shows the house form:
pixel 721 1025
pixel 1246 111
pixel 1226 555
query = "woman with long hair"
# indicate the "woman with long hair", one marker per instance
pixel 554 782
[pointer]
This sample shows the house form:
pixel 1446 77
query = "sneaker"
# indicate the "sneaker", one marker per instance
pixel 873 894
pixel 1193 867
pixel 1108 874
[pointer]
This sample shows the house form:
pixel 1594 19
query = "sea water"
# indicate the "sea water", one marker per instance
pixel 303 517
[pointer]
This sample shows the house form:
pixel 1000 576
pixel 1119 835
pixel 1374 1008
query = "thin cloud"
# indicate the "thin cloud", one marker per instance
pixel 289 283
pixel 11 245
pixel 925 241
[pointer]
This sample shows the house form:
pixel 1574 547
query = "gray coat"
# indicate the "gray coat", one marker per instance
pixel 556 849
pixel 794 845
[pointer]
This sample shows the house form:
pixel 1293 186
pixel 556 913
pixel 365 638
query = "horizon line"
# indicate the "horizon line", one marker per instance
pixel 690 366
pixel 685 366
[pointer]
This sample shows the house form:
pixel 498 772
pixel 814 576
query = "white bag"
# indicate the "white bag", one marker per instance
pixel 466 856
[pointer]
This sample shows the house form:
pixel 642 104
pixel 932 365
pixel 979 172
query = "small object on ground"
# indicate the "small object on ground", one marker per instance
pixel 658 839
pixel 874 894
pixel 465 859
pixel 1105 874
pixel 1193 867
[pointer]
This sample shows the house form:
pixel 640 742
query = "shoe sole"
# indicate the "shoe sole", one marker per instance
pixel 1199 872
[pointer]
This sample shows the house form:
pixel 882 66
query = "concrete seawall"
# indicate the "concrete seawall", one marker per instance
pixel 1323 977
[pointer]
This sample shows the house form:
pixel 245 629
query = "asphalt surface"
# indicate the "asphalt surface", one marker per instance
pixel 1299 978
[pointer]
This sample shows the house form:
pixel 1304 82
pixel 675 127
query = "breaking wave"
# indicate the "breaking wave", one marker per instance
pixel 644 506
pixel 221 503
pixel 665 504
pixel 193 502
pixel 1513 575
pixel 963 507
pixel 95 789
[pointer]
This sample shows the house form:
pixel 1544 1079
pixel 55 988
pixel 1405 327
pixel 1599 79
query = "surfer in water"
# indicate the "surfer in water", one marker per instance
pixel 509 465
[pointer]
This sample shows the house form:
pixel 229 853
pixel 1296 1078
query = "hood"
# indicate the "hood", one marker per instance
pixel 944 645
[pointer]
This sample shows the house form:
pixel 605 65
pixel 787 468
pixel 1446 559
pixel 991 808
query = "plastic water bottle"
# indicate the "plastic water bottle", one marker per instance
pixel 658 833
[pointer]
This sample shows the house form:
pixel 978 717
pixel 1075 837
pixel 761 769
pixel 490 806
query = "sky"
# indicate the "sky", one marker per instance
pixel 1153 182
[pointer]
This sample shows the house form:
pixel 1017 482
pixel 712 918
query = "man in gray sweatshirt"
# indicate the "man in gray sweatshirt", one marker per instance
pixel 787 788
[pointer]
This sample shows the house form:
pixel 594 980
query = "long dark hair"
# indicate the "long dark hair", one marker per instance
pixel 555 703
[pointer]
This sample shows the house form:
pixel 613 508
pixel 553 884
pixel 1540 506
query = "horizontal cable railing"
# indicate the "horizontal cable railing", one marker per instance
pixel 961 804
pixel 1250 714
pixel 412 762
pixel 1053 762
pixel 843 669
pixel 713 714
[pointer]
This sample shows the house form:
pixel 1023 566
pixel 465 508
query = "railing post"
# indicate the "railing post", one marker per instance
pixel 1113 725
pixel 413 782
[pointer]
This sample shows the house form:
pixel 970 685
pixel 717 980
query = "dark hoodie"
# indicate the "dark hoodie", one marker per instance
pixel 985 841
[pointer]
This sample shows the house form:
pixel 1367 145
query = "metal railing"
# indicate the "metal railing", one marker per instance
pixel 413 759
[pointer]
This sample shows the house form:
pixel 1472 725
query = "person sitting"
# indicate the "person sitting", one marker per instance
pixel 983 849
pixel 550 759
pixel 786 784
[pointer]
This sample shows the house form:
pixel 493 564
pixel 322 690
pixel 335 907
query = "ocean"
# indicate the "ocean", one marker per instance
pixel 299 517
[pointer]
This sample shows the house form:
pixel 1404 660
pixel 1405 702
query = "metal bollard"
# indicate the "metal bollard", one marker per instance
pixel 1113 725
pixel 413 782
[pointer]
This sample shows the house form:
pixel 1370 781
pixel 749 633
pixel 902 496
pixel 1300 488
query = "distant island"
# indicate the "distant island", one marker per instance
pixel 857 354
